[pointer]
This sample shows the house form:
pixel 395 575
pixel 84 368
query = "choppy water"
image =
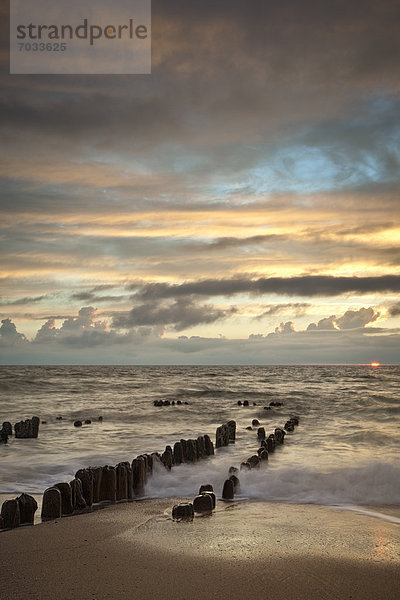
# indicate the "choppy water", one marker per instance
pixel 345 450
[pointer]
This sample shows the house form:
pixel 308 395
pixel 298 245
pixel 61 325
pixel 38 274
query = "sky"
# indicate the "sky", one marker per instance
pixel 239 205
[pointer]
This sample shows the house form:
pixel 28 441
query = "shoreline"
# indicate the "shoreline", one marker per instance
pixel 385 512
pixel 242 550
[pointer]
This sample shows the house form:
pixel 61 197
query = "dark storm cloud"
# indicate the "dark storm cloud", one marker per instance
pixel 308 285
pixel 95 298
pixel 298 308
pixel 181 314
pixel 394 310
pixel 224 243
pixel 22 301
pixel 294 55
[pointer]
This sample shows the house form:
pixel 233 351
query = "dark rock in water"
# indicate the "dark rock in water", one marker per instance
pixel 184 449
pixel 87 477
pixel 254 403
pixel 261 433
pixel 196 449
pixel 78 501
pixel 44 422
pixel 138 475
pixel 231 430
pixel 219 441
pixel 270 443
pixel 183 511
pixel 66 498
pixel 254 461
pixel 228 490
pixel 267 408
pixel 27 429
pixel 186 402
pixel 10 514
pixel 179 402
pixel 51 505
pixel 207 487
pixel 263 454
pixel 201 450
pixel 158 403
pixel 167 403
pixel 245 403
pixel 233 470
pixel 167 458
pixel 7 427
pixel 255 422
pixel 289 426
pixel 249 428
pixel 27 508
pixel 35 421
pixel 108 484
pixel 122 481
pixel 244 466
pixel 77 423
pixel 223 433
pixel 212 496
pixel 3 436
pixel 239 403
pixel 1 523
pixel 191 454
pixel 276 403
pixel 156 461
pixel 295 420
pixel 203 504
pixel 58 418
pixel 208 445
pixel 236 482
pixel 145 467
pixel 97 473
pixel 178 453
pixel 149 461
pixel 279 435
pixel 88 422
pixel 129 475
pixel 173 403
pixel 100 419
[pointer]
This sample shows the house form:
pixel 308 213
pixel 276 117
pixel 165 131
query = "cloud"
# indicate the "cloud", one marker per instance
pixel 85 331
pixel 299 308
pixel 285 328
pixel 9 335
pixel 328 323
pixel 394 310
pixel 181 314
pixel 22 301
pixel 307 285
pixel 92 297
pixel 352 319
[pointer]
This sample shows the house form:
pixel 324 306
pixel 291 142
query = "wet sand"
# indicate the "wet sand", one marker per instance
pixel 244 550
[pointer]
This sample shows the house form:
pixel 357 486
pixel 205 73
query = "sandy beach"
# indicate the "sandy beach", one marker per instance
pixel 243 550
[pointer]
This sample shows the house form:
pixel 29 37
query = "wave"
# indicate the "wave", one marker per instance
pixel 375 483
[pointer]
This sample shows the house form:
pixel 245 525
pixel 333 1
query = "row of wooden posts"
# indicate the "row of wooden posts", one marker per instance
pixel 126 481
pixel 93 485
pixel 23 429
pixel 205 501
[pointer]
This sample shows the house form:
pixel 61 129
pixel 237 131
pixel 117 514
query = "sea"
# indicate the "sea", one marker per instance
pixel 344 452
